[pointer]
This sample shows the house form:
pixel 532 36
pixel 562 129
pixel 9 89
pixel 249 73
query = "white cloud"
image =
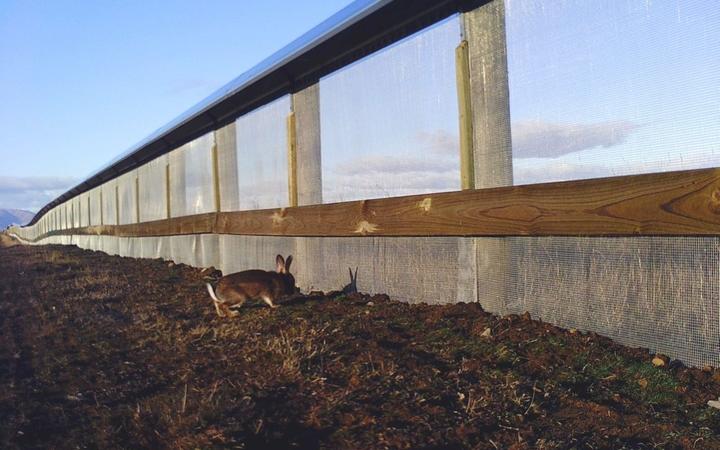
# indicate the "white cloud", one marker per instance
pixel 543 171
pixel 32 193
pixel 377 176
pixel 440 142
pixel 540 139
pixel 558 171
pixel 387 164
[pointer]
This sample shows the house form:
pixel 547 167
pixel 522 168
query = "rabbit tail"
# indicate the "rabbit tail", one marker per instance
pixel 220 307
pixel 212 293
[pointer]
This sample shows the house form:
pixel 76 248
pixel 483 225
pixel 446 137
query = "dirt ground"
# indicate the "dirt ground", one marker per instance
pixel 7 241
pixel 109 352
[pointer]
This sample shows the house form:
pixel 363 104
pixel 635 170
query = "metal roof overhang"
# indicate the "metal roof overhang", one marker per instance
pixel 356 31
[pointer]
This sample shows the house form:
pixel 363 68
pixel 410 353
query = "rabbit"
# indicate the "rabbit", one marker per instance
pixel 351 287
pixel 236 288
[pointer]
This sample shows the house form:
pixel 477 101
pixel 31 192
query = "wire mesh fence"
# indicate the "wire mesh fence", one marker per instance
pixel 559 90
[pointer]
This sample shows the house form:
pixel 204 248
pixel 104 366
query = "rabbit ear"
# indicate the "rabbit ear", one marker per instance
pixel 355 279
pixel 288 261
pixel 279 264
pixel 351 277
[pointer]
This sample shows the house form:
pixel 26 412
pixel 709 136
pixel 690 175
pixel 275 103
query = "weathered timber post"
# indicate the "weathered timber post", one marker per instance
pixel 137 197
pixel 306 113
pixel 484 33
pixel 306 107
pixel 167 191
pixel 227 160
pixel 215 175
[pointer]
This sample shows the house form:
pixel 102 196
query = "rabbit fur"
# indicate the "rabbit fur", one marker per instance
pixel 235 289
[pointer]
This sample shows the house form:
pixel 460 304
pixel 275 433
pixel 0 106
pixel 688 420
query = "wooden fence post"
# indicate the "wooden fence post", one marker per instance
pixel 292 160
pixel 167 190
pixel 489 97
pixel 216 174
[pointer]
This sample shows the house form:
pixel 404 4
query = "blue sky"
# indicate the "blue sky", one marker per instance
pixel 597 88
pixel 82 81
pixel 625 86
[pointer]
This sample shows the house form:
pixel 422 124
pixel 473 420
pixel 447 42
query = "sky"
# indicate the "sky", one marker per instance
pixel 83 81
pixel 613 87
pixel 597 88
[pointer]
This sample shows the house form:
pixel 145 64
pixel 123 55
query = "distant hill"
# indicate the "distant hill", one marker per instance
pixel 14 217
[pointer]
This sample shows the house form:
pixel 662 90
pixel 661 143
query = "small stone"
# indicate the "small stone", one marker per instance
pixel 714 404
pixel 572 330
pixel 486 333
pixel 370 304
pixel 643 383
pixel 659 361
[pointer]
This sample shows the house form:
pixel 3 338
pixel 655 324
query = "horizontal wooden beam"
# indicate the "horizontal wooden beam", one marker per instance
pixel 683 203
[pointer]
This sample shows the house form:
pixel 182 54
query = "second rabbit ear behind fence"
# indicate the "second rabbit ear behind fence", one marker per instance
pixel 351 287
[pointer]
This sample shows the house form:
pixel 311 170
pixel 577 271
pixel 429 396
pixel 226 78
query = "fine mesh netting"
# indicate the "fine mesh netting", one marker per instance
pixel 435 270
pixel 595 89
pixel 127 198
pixel 75 212
pixel 306 110
pixel 153 189
pixel 62 224
pixel 195 250
pixel 198 176
pixel 94 199
pixel 109 192
pixel 604 88
pixel 660 293
pixel 430 270
pixel 252 252
pixel 109 245
pixel 68 214
pixel 262 161
pixel 84 209
pixel 191 182
pixel 389 123
pixel 226 143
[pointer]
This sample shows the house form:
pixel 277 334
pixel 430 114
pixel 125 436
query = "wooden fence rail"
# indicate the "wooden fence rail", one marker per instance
pixel 684 203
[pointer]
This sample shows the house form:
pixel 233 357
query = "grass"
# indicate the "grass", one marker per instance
pixel 612 375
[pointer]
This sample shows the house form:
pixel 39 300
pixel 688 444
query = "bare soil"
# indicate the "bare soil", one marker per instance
pixel 7 241
pixel 108 352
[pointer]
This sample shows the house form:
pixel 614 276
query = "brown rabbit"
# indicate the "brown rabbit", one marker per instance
pixel 236 288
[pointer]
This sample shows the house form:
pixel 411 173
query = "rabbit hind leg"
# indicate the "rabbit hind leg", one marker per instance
pixel 268 300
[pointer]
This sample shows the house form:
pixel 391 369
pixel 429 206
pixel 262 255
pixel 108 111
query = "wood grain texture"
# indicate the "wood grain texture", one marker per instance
pixel 683 203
